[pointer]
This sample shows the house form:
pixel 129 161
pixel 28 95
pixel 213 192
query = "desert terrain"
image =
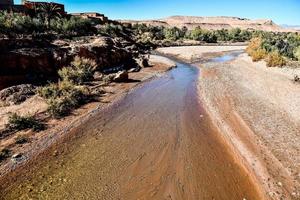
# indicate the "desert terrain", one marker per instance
pixel 181 107
pixel 213 23
pixel 184 156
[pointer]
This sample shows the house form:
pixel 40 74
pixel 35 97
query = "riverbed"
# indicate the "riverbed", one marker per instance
pixel 157 142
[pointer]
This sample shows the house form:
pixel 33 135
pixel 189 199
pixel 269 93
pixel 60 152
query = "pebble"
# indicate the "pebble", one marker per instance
pixel 279 184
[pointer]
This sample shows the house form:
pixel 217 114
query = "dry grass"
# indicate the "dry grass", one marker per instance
pixel 274 59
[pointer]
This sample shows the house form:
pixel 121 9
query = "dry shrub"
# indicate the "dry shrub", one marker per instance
pixel 63 97
pixel 255 50
pixel 81 70
pixel 254 45
pixel 258 55
pixel 274 59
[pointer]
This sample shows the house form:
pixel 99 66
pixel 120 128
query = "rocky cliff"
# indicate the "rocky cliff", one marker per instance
pixel 25 61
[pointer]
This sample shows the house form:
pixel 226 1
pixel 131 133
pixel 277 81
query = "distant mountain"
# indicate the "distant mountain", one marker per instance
pixel 296 27
pixel 213 23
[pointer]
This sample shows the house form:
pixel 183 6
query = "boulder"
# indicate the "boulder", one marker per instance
pixel 135 69
pixel 143 62
pixel 121 76
pixel 17 94
pixel 98 76
pixel 296 78
pixel 17 157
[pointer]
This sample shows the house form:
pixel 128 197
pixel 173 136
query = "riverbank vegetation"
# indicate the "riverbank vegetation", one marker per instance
pixel 149 33
pixel 18 123
pixel 17 24
pixel 69 93
pixel 275 48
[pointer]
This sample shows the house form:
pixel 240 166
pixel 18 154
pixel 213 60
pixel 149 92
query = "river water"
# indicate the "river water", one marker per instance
pixel 156 143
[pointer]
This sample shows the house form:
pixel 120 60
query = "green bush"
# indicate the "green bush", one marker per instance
pixel 112 30
pixel 297 53
pixel 18 123
pixel 67 94
pixel 63 97
pixel 18 23
pixel 76 26
pixel 173 33
pixel 62 106
pixel 4 153
pixel 80 71
pixel 274 59
pixel 49 91
pixel 21 139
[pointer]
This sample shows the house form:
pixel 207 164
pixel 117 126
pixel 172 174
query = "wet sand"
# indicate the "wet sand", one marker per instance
pixel 156 143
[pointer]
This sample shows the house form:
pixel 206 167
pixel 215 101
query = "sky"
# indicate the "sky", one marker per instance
pixel 280 11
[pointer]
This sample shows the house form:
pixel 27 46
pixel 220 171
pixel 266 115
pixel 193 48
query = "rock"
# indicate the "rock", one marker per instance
pixel 279 184
pixel 296 78
pixel 121 76
pixel 31 62
pixel 17 157
pixel 98 76
pixel 17 94
pixel 136 69
pixel 143 62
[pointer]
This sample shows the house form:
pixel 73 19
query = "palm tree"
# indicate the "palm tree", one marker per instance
pixel 49 11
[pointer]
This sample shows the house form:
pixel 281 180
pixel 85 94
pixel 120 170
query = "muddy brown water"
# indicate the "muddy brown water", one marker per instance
pixel 156 143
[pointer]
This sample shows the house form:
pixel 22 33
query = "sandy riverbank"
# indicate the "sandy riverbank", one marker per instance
pixel 198 53
pixel 257 110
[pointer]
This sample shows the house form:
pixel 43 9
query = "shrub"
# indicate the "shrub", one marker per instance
pixel 255 49
pixel 258 55
pixel 297 53
pixel 173 33
pixel 197 34
pixel 21 139
pixel 49 91
pixel 81 70
pixel 45 20
pixel 254 45
pixel 63 97
pixel 67 95
pixel 76 26
pixel 4 153
pixel 14 23
pixel 113 30
pixel 274 59
pixel 18 123
pixel 59 107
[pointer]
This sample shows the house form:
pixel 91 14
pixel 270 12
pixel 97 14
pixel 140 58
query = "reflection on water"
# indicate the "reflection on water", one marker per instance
pixel 227 57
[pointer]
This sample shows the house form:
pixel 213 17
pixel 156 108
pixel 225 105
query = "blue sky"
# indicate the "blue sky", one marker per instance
pixel 281 11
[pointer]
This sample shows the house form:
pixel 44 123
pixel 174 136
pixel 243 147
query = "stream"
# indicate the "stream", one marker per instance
pixel 156 143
